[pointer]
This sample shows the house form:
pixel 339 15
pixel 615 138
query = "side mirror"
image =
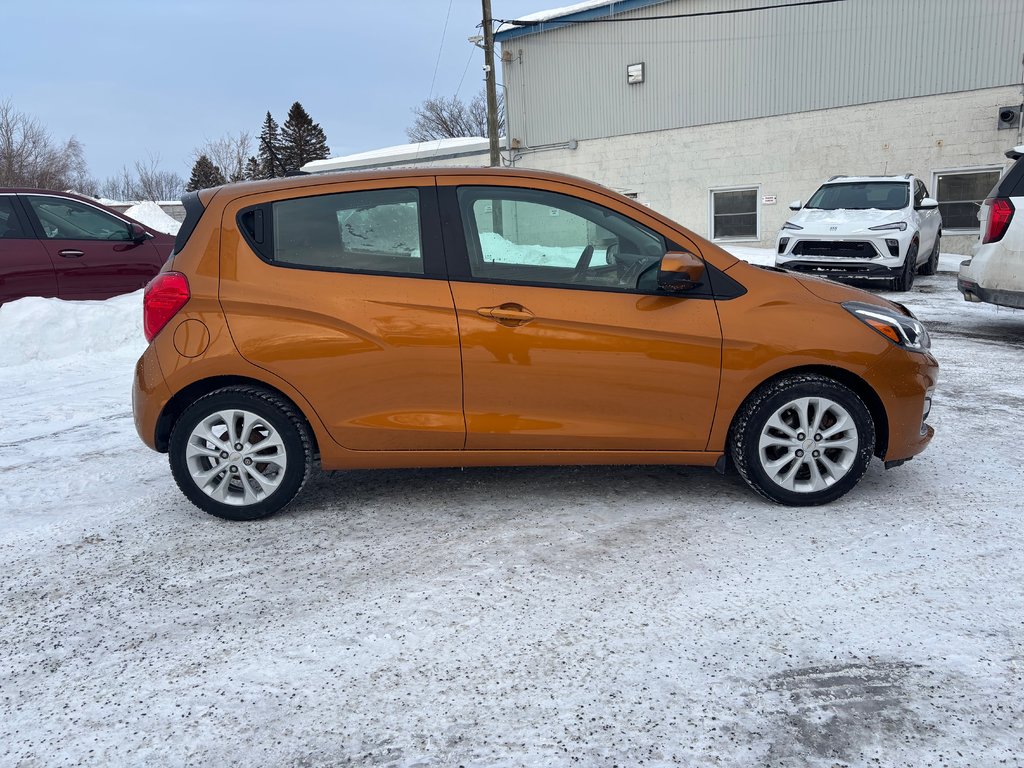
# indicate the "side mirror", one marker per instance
pixel 928 204
pixel 138 233
pixel 680 272
pixel 796 205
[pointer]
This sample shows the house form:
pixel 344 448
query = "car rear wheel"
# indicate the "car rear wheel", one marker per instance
pixel 802 440
pixel 931 266
pixel 240 453
pixel 905 280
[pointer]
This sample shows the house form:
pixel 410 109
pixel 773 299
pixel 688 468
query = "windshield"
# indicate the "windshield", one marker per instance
pixel 860 195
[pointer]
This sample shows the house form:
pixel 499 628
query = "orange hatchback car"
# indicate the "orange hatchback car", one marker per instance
pixel 466 317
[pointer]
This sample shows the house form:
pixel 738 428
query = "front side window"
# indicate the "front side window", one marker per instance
pixel 64 219
pixel 920 194
pixel 734 214
pixel 533 236
pixel 861 195
pixel 371 231
pixel 960 195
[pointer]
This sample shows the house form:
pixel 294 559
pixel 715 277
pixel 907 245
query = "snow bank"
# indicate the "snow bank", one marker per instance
pixel 499 249
pixel 47 329
pixel 151 215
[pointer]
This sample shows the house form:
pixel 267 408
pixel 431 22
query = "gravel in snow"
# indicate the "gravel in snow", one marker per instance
pixel 503 617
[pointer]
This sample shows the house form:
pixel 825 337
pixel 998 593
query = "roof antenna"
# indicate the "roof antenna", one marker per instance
pixel 277 159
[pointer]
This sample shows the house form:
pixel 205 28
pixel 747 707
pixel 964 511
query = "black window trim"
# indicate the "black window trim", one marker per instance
pixel 431 241
pixel 719 285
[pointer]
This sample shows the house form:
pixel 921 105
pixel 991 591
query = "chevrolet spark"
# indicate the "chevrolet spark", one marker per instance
pixel 468 317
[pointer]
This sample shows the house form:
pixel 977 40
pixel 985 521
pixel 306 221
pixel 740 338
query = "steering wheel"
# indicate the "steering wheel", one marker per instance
pixel 583 264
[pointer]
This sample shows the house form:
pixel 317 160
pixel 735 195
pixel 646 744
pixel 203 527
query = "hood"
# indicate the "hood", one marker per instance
pixel 843 221
pixel 838 293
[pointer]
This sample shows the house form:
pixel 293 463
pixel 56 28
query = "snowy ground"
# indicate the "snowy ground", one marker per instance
pixel 543 617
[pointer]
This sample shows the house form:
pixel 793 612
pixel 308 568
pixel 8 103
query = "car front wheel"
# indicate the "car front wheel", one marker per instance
pixel 802 440
pixel 240 453
pixel 904 281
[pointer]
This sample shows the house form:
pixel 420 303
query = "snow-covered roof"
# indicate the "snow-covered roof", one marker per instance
pixel 861 179
pixel 587 9
pixel 403 153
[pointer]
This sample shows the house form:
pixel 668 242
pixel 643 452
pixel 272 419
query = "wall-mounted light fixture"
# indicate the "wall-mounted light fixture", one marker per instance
pixel 635 73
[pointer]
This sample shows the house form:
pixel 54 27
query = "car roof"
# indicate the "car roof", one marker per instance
pixel 326 177
pixel 860 179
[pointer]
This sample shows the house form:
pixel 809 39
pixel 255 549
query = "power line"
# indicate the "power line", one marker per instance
pixel 556 20
pixel 465 70
pixel 440 48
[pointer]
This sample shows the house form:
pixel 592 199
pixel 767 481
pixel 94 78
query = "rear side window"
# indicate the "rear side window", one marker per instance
pixel 366 231
pixel 10 227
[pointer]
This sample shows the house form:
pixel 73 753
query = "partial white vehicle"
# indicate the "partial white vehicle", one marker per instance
pixel 995 271
pixel 864 227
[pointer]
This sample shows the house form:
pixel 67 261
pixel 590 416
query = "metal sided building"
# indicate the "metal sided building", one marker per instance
pixel 721 118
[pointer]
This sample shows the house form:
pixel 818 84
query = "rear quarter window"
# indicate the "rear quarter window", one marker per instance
pixel 365 231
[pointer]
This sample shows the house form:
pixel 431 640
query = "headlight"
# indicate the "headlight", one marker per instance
pixel 903 331
pixel 900 225
pixel 791 225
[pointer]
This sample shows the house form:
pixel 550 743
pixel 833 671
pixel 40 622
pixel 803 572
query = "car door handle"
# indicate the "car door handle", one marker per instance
pixel 71 253
pixel 507 314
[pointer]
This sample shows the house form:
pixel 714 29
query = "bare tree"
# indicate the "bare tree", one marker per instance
pixel 450 117
pixel 147 182
pixel 30 158
pixel 156 184
pixel 120 186
pixel 229 153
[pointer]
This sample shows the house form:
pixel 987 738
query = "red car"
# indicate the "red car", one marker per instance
pixel 63 245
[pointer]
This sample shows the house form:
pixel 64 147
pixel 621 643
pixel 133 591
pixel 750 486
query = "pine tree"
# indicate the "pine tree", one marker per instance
pixel 302 140
pixel 205 175
pixel 270 149
pixel 252 169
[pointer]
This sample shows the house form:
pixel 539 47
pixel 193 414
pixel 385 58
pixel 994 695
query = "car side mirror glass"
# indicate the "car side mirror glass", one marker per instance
pixel 138 233
pixel 928 204
pixel 680 272
pixel 796 205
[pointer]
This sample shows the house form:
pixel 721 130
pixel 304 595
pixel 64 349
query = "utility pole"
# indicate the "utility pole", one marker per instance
pixel 492 90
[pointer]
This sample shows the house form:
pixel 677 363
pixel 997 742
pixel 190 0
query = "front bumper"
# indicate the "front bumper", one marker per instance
pixel 905 382
pixel 862 255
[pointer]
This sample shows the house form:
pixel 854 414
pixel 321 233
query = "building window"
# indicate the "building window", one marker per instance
pixel 960 195
pixel 735 214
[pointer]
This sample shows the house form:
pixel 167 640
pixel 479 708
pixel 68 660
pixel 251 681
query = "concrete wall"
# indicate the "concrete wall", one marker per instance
pixel 175 210
pixel 788 156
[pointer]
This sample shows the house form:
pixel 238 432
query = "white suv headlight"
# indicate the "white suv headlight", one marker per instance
pixel 900 225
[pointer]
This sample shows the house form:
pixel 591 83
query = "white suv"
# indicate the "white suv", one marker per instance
pixel 864 227
pixel 995 271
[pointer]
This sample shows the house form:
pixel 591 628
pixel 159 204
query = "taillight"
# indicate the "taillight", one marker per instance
pixel 165 295
pixel 999 217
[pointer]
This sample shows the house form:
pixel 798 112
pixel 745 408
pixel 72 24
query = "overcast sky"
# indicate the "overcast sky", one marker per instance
pixel 131 78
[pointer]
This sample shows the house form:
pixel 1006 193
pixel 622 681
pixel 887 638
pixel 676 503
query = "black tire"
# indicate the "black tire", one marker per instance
pixel 905 280
pixel 772 399
pixel 273 415
pixel 931 266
